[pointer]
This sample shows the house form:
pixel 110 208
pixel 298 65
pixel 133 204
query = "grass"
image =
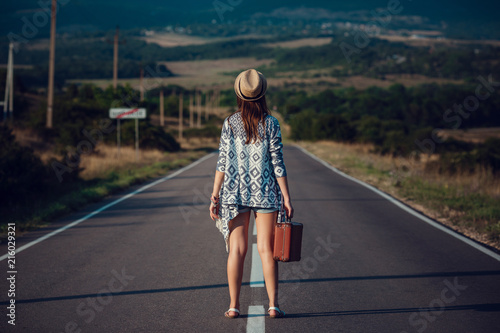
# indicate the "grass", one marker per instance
pixel 293 44
pixel 467 203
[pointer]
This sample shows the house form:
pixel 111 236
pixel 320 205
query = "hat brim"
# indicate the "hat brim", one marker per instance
pixel 238 92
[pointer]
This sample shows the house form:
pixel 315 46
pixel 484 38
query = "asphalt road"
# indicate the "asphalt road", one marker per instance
pixel 155 262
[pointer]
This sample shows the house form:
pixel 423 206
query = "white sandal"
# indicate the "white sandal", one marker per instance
pixel 232 310
pixel 280 314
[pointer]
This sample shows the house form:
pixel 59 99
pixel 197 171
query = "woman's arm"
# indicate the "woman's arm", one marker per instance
pixel 220 170
pixel 276 150
pixel 283 184
pixel 214 208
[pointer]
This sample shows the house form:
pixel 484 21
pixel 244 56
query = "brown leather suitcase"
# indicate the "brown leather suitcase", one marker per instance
pixel 287 241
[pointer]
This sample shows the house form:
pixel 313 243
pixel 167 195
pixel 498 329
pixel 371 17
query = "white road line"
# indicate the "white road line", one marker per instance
pixel 72 224
pixel 256 273
pixel 256 319
pixel 256 314
pixel 406 208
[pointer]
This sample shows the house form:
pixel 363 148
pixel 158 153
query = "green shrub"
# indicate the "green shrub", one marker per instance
pixel 22 173
pixel 149 136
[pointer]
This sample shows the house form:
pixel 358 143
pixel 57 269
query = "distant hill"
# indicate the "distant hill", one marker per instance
pixel 78 15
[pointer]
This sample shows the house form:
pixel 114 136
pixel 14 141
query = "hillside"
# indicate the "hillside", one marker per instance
pixel 461 18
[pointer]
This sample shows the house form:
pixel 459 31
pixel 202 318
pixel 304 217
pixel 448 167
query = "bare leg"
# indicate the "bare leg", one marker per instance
pixel 238 245
pixel 265 230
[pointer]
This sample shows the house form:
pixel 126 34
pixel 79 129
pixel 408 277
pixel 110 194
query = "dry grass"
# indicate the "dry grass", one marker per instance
pixel 475 135
pixel 391 174
pixel 27 138
pixel 208 74
pixel 200 143
pixel 293 44
pixel 203 73
pixel 426 42
pixel 192 74
pixel 106 159
pixel 172 39
pixel 346 156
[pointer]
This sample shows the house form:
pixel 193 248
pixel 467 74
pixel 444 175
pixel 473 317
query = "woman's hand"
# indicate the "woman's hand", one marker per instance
pixel 283 184
pixel 214 207
pixel 288 209
pixel 214 211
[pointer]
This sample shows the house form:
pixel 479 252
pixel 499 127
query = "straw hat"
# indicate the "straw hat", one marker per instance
pixel 250 85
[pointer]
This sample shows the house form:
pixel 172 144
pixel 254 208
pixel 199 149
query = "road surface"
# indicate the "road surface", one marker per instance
pixel 154 262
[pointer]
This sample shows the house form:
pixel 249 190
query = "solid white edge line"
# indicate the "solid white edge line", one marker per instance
pixel 406 208
pixel 72 224
pixel 256 319
pixel 256 272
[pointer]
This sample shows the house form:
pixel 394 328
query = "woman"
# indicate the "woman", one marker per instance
pixel 250 176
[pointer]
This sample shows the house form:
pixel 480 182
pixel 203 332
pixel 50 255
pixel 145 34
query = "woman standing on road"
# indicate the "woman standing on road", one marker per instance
pixel 250 176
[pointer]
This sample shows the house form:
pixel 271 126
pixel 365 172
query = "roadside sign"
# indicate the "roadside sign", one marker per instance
pixel 123 113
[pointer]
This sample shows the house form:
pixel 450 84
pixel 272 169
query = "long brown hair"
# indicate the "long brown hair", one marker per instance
pixel 252 113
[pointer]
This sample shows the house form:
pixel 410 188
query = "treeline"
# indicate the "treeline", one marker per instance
pixel 380 58
pixel 85 108
pixel 83 59
pixel 92 58
pixel 397 120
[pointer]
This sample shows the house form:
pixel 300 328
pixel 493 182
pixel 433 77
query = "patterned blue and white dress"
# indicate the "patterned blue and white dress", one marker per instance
pixel 250 169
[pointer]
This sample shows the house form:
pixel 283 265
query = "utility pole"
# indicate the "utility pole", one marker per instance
pixel 198 104
pixel 116 42
pixel 162 109
pixel 52 56
pixel 137 139
pixel 216 101
pixel 8 102
pixel 218 98
pixel 11 92
pixel 208 101
pixel 115 57
pixel 141 84
pixel 181 111
pixel 191 111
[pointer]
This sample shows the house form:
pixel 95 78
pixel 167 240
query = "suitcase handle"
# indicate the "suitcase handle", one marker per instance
pixel 282 216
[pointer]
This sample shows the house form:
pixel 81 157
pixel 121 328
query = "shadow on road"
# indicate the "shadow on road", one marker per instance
pixel 390 277
pixel 475 307
pixel 336 279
